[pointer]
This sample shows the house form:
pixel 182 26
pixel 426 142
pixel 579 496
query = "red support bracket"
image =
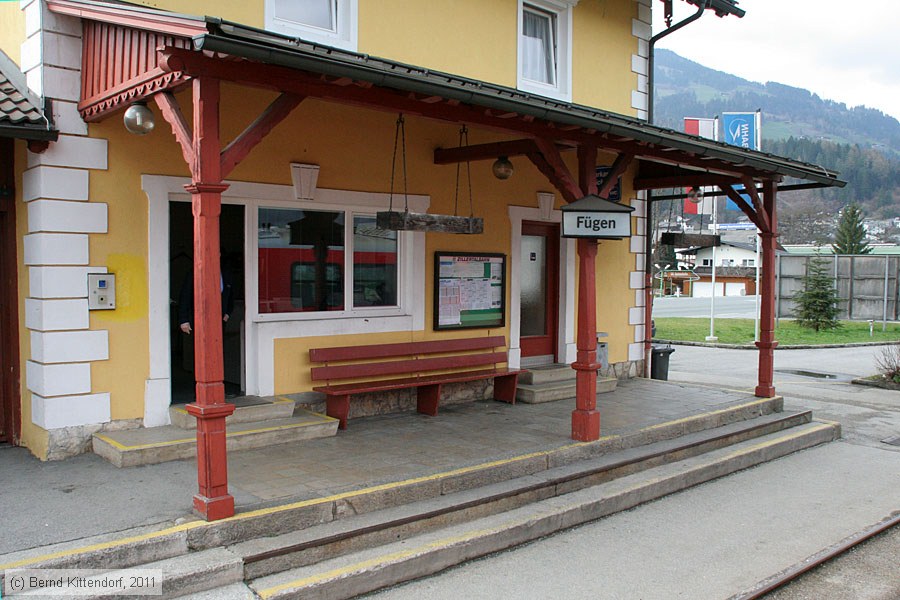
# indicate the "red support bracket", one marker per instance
pixel 274 114
pixel 171 112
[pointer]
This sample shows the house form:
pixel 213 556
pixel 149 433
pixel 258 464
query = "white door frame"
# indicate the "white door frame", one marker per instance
pixel 565 343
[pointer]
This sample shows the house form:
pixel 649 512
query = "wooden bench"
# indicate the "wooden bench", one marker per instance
pixel 426 366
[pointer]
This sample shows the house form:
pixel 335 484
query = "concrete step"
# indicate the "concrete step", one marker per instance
pixel 267 555
pixel 547 374
pixel 152 445
pixel 247 409
pixel 428 553
pixel 467 484
pixel 558 390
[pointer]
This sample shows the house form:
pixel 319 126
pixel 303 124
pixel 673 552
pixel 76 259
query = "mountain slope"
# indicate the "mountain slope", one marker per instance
pixel 687 89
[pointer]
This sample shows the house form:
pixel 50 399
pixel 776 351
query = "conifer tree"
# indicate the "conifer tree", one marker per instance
pixel 817 304
pixel 850 237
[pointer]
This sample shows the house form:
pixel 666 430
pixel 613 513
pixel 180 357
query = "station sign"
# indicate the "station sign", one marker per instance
pixel 596 217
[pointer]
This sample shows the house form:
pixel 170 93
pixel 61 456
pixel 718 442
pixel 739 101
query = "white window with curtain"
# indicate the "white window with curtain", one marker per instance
pixel 329 22
pixel 545 48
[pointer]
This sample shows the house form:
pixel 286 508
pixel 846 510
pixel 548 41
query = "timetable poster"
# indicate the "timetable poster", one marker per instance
pixel 470 290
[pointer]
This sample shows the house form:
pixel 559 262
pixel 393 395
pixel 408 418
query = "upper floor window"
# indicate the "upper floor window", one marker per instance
pixel 545 47
pixel 329 22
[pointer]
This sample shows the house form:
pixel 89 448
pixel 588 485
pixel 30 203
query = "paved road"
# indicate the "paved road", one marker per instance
pixel 730 307
pixel 723 537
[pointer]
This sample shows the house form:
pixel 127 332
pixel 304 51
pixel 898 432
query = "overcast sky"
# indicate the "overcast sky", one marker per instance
pixel 843 51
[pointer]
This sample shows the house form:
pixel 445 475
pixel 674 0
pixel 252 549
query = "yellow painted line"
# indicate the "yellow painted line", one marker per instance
pixel 335 497
pixel 707 414
pixel 105 545
pixel 232 434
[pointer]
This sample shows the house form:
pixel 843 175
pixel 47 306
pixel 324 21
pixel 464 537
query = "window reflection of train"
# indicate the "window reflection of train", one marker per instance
pixel 294 279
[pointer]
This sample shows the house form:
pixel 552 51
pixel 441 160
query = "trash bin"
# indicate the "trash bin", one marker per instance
pixel 659 365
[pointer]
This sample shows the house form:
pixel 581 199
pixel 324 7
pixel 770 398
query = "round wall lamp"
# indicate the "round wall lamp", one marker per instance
pixel 139 119
pixel 502 168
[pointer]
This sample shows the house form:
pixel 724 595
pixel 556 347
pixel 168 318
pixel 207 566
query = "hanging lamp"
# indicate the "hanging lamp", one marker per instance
pixel 393 220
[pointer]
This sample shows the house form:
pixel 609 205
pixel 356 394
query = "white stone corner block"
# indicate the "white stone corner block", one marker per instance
pixel 636 280
pixel 30 53
pixel 67 118
pixel 640 65
pixel 70 411
pixel 635 351
pixel 636 315
pixel 63 379
pixel 69 346
pixel 56 315
pixel 640 30
pixel 637 243
pixel 644 13
pixel 56 249
pixel 66 216
pixel 639 262
pixel 639 100
pixel 73 151
pixel 61 51
pixel 60 282
pixel 638 333
pixel 639 298
pixel 55 183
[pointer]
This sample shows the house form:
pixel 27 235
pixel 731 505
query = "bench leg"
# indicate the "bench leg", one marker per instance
pixel 338 407
pixel 505 388
pixel 427 398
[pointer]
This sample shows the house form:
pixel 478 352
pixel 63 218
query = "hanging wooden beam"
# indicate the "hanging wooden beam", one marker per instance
pixel 171 112
pixel 446 156
pixel 241 146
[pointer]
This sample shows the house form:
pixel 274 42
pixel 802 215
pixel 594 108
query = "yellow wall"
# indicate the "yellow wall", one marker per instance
pixel 603 45
pixel 476 39
pixel 353 147
pixel 12 30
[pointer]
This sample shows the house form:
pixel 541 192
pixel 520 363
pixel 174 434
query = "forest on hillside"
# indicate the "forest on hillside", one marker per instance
pixel 860 143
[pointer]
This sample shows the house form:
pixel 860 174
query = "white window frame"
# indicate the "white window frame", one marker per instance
pixel 562 11
pixel 349 311
pixel 707 262
pixel 748 262
pixel 344 35
pixel 262 330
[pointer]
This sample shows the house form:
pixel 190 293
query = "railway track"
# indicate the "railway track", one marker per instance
pixel 793 573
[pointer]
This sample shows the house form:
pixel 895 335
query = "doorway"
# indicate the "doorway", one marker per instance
pixel 181 252
pixel 9 303
pixel 539 296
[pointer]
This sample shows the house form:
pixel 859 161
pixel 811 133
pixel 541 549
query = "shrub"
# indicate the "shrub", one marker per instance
pixel 888 363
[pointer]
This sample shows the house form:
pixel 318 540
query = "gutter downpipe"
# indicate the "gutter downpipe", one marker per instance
pixel 648 241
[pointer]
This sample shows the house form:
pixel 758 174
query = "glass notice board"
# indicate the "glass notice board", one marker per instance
pixel 469 290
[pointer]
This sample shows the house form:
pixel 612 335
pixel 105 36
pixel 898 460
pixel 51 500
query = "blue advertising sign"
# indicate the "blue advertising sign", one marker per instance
pixel 740 130
pixel 615 194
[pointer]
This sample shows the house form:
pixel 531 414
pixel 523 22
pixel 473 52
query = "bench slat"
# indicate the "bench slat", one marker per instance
pixel 404 349
pixel 406 366
pixel 406 382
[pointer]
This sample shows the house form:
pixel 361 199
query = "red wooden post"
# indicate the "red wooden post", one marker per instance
pixel 586 417
pixel 213 500
pixel 767 343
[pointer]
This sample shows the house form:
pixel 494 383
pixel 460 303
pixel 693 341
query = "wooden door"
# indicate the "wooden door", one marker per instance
pixel 9 303
pixel 539 297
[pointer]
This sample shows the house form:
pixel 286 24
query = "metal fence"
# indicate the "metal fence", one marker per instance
pixel 867 285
